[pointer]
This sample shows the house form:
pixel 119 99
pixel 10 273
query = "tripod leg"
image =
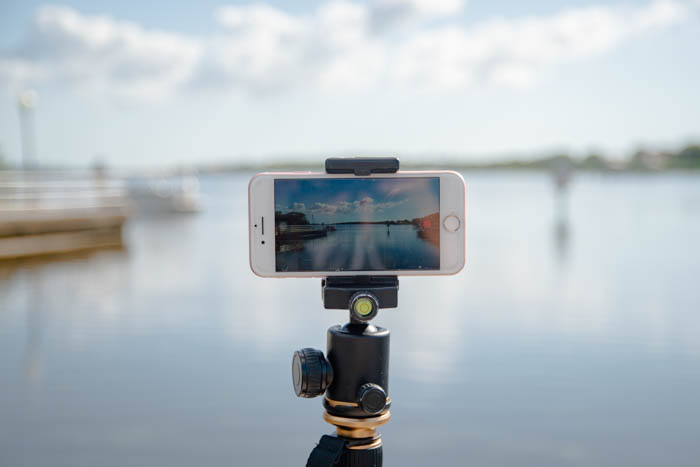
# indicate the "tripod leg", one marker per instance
pixel 334 451
pixel 327 452
pixel 362 458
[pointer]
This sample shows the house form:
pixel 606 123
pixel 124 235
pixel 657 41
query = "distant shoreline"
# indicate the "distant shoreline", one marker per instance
pixel 686 159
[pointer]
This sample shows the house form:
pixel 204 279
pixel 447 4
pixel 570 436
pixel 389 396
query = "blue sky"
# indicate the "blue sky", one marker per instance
pixel 352 200
pixel 162 84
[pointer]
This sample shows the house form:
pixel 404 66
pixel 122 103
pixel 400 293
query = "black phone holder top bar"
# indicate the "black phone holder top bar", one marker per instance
pixel 338 291
pixel 362 166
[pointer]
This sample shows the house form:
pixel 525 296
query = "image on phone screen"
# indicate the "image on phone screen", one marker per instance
pixel 357 224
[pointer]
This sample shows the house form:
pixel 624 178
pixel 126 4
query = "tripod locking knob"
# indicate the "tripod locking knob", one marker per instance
pixel 372 398
pixel 311 373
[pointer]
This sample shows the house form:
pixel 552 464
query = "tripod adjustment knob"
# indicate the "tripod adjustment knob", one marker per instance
pixel 311 373
pixel 372 398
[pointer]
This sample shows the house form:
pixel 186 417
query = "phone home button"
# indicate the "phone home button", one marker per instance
pixel 451 223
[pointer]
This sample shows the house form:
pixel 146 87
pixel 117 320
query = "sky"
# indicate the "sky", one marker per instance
pixel 151 84
pixel 351 200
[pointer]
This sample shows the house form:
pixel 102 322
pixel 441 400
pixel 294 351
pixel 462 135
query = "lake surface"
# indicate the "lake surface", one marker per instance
pixel 361 247
pixel 568 340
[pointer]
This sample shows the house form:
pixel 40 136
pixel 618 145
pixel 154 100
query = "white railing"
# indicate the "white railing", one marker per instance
pixel 59 190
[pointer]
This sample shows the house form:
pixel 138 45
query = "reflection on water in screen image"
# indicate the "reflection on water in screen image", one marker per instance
pixel 362 247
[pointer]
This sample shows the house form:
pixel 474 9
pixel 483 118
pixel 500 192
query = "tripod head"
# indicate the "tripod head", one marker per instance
pixel 354 373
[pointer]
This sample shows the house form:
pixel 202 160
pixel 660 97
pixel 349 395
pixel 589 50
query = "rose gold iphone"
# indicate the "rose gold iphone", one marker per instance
pixel 309 224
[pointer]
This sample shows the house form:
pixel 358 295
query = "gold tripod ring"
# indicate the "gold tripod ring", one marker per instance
pixel 371 422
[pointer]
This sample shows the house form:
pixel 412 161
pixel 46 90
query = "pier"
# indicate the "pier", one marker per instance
pixel 302 232
pixel 45 213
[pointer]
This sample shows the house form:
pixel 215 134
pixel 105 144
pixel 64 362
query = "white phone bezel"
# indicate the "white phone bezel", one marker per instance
pixel 262 244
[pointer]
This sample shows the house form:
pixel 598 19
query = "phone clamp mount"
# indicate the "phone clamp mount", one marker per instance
pixel 354 373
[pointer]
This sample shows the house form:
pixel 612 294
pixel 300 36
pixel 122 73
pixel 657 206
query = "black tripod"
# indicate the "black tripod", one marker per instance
pixel 355 374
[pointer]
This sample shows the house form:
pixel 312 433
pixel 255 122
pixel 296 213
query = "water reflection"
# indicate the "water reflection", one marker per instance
pixel 561 241
pixel 34 323
pixel 562 173
pixel 148 355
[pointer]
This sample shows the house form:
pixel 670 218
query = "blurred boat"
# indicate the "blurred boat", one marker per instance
pixel 165 195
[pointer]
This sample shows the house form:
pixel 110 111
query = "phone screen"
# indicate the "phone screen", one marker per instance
pixel 357 224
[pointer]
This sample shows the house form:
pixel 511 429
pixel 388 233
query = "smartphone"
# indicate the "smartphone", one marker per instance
pixel 308 224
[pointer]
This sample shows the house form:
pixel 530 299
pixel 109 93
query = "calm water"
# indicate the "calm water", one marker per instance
pixel 361 247
pixel 564 342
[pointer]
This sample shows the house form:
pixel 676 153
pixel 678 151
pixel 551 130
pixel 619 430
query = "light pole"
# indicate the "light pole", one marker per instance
pixel 26 103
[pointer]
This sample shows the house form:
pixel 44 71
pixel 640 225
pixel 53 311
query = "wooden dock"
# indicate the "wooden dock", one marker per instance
pixel 302 232
pixel 46 214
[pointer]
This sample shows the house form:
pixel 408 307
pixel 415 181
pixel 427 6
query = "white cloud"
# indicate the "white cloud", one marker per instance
pixel 341 45
pixel 16 72
pixel 364 205
pixel 263 48
pixel 514 52
pixel 267 49
pixel 347 53
pixel 103 55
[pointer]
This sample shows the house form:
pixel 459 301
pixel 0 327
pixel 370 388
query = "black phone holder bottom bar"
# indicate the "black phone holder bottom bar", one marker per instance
pixel 337 291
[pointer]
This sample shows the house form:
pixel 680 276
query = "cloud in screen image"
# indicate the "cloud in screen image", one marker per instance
pixel 373 224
